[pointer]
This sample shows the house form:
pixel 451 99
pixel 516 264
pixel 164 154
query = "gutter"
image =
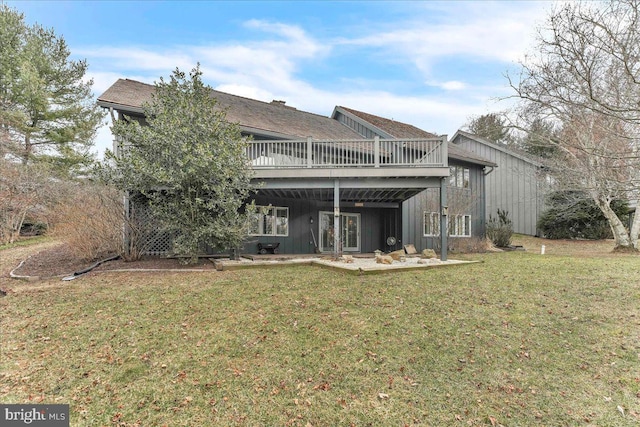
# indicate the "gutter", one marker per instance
pixel 120 107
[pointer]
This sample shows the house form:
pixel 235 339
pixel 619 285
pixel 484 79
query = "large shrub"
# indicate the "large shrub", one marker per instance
pixel 500 229
pixel 89 220
pixel 574 215
pixel 189 163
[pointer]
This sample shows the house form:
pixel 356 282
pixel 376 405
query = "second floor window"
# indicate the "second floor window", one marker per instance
pixel 458 176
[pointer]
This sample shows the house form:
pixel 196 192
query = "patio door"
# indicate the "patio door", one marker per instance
pixel 349 232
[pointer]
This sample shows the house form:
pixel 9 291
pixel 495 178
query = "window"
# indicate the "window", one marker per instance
pixel 431 224
pixel 458 176
pixel 457 225
pixel 270 221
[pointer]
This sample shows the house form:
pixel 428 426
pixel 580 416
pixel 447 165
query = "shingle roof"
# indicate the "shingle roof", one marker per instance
pixel 396 129
pixel 260 117
pixel 403 130
pixel 277 119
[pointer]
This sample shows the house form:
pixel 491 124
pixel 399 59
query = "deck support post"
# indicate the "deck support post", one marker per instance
pixel 443 219
pixel 337 238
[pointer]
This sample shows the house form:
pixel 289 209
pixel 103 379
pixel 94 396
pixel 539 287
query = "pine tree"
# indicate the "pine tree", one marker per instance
pixel 46 108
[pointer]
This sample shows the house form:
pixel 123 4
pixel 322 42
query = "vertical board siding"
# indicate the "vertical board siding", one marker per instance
pixel 512 186
pixel 464 201
pixel 356 126
pixel 375 226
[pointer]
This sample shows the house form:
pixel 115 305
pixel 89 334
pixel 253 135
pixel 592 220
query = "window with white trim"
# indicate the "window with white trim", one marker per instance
pixel 270 221
pixel 458 176
pixel 457 225
pixel 431 224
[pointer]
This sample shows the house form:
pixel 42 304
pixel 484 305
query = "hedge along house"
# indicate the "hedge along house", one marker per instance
pixel 323 186
pixel 517 186
pixel 464 197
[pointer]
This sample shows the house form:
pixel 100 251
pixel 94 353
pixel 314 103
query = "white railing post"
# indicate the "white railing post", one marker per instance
pixel 309 153
pixel 376 151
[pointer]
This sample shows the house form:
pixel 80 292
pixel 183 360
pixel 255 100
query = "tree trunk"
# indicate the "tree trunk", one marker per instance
pixel 635 226
pixel 617 227
pixel 28 149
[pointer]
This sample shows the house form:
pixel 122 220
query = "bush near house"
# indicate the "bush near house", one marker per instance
pixel 90 221
pixel 500 229
pixel 574 215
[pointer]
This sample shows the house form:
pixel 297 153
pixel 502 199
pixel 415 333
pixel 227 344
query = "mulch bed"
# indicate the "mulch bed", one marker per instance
pixel 60 261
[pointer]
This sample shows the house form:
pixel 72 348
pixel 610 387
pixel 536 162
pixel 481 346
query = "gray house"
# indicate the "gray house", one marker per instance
pixel 325 187
pixel 517 185
pixel 465 195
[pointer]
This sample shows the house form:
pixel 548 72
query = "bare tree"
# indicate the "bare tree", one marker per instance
pixel 24 192
pixel 585 78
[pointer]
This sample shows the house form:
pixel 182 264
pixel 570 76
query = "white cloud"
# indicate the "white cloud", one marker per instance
pixel 450 85
pixel 500 31
pixel 246 91
pixel 269 66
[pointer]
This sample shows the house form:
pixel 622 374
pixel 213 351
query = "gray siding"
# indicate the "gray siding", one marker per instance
pixel 363 130
pixel 513 186
pixel 462 201
pixel 376 224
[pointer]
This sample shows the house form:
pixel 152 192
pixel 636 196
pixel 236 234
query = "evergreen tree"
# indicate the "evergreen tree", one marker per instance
pixel 46 108
pixel 574 215
pixel 541 139
pixel 492 127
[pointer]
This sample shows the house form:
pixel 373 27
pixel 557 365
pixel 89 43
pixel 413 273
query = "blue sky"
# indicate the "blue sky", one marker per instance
pixel 431 64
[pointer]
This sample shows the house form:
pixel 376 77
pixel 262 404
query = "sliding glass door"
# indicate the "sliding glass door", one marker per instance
pixel 349 232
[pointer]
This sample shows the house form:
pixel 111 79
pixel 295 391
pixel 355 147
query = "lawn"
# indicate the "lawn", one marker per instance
pixel 520 339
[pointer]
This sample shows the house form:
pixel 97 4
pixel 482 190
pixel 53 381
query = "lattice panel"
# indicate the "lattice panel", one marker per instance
pixel 145 230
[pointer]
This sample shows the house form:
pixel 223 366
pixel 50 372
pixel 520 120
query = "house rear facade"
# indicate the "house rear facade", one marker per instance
pixel 465 189
pixel 517 186
pixel 324 185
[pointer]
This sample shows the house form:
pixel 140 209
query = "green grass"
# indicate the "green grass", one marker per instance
pixel 29 241
pixel 518 340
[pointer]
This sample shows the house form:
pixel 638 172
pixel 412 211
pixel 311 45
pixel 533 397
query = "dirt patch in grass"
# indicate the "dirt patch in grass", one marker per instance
pixel 54 260
pixel 156 263
pixel 59 260
pixel 51 262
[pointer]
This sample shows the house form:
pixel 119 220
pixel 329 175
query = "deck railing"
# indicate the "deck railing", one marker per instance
pixel 377 153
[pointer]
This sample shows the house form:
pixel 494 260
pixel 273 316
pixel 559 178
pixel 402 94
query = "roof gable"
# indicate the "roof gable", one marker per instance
pixel 392 128
pixel 492 145
pixel 256 117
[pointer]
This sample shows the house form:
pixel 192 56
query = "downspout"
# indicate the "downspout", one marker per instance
pixel 483 196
